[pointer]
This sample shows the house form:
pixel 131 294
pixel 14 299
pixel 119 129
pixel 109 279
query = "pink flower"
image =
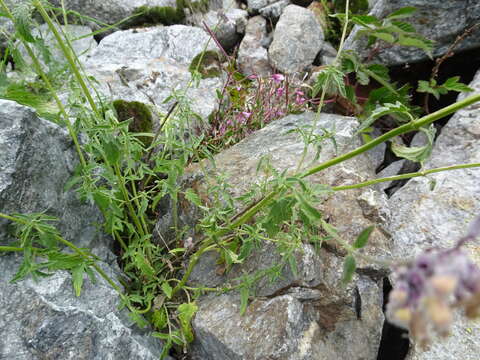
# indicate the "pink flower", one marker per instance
pixel 280 91
pixel 244 116
pixel 278 78
pixel 300 100
pixel 252 77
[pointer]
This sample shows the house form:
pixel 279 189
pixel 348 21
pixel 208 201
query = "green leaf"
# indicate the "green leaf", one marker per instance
pixel 416 153
pixel 387 109
pixel 332 80
pixel 383 36
pixel 112 151
pixel 138 319
pixel 349 267
pixel 191 196
pixel 185 315
pixel 402 13
pixel 308 209
pixel 143 265
pixel 231 257
pixel 77 278
pixel 22 26
pixel 365 20
pixel 167 289
pixel 379 70
pixel 244 295
pixel 159 318
pixel 416 41
pixel 280 211
pixel 362 239
pixel 404 26
pixel 453 84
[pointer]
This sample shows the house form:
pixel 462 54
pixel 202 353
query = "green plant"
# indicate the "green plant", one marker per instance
pixel 119 173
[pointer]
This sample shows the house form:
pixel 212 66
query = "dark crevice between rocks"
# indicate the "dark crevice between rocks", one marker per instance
pixel 394 344
pixel 464 64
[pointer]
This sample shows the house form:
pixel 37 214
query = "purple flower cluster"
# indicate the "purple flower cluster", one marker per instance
pixel 254 104
pixel 428 290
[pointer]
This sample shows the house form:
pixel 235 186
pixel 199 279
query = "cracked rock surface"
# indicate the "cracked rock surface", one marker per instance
pixel 437 20
pixel 146 65
pixel 44 319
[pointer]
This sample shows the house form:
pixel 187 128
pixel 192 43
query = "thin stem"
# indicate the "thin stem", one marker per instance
pixel 46 80
pixel 126 198
pixel 71 246
pixel 344 31
pixel 405 176
pixel 68 55
pixel 193 261
pixel 370 259
pixel 411 126
pixel 10 249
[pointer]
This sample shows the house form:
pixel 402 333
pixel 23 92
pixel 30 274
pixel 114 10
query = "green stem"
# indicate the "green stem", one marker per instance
pixel 405 176
pixel 193 261
pixel 380 80
pixel 38 69
pixel 74 248
pixel 126 198
pixel 10 248
pixel 68 55
pixel 411 126
pixel 344 32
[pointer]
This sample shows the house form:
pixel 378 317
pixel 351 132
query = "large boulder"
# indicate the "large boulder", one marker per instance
pixel 297 39
pixel 305 324
pixel 423 217
pixel 252 56
pixel 44 319
pixel 110 11
pixel 228 25
pixel 320 319
pixel 36 160
pixel 350 211
pixel 80 38
pixel 147 65
pixel 437 20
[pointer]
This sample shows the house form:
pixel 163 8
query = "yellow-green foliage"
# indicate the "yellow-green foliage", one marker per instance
pixel 140 113
pixel 207 63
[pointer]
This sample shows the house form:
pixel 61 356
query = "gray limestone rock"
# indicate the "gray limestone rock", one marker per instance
pixel 297 39
pixel 147 65
pixel 81 47
pixel 438 20
pixel 228 25
pixel 425 218
pixel 36 160
pixel 252 55
pixel 44 319
pixel 320 318
pixel 273 11
pixel 283 149
pixel 110 11
pixel 256 5
pixel 303 324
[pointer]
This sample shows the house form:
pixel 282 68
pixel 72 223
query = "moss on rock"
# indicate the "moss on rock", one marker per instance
pixel 207 63
pixel 356 6
pixel 165 15
pixel 140 113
